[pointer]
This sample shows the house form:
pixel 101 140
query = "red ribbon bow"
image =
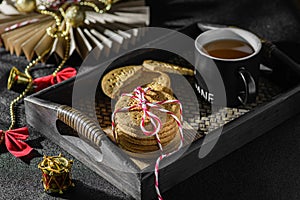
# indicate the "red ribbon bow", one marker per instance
pixel 46 81
pixel 13 141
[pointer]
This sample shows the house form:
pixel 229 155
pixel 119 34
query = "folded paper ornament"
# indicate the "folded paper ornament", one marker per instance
pixel 33 27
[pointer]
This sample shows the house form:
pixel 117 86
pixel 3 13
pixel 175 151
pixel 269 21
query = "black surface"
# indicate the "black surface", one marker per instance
pixel 267 168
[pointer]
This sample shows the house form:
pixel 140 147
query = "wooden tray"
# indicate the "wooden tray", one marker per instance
pixel 50 113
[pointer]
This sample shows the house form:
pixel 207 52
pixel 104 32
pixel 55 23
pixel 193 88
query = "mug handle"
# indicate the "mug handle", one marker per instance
pixel 249 94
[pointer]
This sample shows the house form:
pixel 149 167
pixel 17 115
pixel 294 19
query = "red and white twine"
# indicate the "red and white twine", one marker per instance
pixel 18 25
pixel 139 95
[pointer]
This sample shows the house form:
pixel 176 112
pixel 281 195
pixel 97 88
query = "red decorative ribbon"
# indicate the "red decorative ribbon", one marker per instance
pixel 14 141
pixel 139 95
pixel 46 81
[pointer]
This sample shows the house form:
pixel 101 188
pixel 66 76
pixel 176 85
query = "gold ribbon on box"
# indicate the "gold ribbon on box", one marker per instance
pixel 56 171
pixel 32 27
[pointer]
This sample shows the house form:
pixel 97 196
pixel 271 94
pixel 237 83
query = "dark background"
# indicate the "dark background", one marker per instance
pixel 266 168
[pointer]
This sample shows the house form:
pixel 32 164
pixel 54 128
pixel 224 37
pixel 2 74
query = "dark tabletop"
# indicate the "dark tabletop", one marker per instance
pixel 266 168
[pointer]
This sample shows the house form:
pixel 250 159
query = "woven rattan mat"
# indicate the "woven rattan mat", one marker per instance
pixel 197 122
pixel 202 122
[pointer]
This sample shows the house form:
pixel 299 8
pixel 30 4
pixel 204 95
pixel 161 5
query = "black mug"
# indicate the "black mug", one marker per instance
pixel 228 81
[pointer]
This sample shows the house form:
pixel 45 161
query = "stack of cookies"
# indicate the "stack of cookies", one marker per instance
pixel 128 132
pixel 151 74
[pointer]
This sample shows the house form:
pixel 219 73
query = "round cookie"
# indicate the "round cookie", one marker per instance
pixel 144 78
pixel 114 79
pixel 147 149
pixel 167 67
pixel 151 140
pixel 125 79
pixel 135 131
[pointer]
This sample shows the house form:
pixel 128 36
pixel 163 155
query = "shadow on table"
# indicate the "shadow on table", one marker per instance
pixel 3 149
pixel 35 144
pixel 83 191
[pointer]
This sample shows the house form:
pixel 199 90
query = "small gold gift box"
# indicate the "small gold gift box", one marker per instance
pixel 56 173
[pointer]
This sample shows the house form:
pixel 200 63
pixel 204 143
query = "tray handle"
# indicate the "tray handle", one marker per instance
pixel 83 125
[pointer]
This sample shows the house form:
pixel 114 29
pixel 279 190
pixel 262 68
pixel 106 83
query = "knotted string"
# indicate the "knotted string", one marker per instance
pixel 139 95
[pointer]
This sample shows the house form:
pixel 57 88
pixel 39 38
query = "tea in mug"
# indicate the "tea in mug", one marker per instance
pixel 228 49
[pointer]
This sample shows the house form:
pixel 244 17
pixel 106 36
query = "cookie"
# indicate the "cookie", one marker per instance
pixel 167 67
pixel 151 148
pixel 126 79
pixel 136 132
pixel 165 137
pixel 114 80
pixel 145 77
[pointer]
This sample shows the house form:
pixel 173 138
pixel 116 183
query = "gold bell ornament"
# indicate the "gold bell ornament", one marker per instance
pixel 17 81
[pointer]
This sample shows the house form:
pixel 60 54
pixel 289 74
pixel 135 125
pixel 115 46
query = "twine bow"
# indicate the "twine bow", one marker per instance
pixel 14 141
pixel 139 95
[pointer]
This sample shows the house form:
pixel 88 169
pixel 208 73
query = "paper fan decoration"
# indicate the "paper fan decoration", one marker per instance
pixel 40 27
